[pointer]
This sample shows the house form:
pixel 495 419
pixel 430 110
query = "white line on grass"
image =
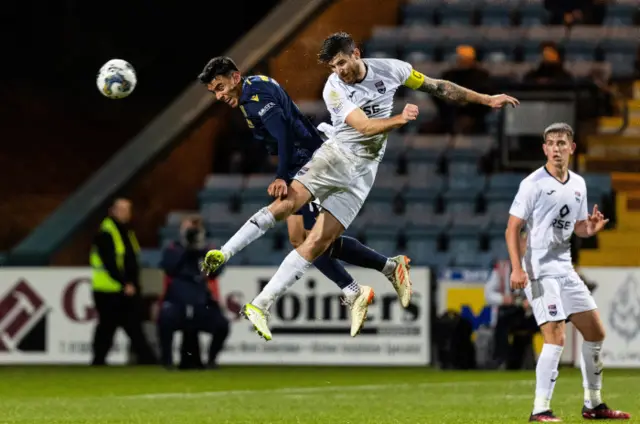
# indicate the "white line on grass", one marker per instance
pixel 320 389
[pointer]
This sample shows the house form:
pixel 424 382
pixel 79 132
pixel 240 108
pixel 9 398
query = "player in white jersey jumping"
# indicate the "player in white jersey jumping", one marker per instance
pixel 359 95
pixel 552 203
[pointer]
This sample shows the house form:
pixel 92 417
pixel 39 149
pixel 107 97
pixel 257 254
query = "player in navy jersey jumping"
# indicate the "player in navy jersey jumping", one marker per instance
pixel 286 132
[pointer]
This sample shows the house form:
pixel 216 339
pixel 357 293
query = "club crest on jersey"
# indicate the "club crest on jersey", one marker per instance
pixel 553 310
pixel 381 88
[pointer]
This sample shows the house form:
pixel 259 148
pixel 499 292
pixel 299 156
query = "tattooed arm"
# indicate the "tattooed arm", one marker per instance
pixel 448 90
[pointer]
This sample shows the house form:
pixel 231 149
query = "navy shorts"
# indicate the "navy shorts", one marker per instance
pixel 309 214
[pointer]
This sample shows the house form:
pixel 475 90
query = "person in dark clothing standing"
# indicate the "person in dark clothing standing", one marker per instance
pixel 116 285
pixel 187 304
pixel 551 69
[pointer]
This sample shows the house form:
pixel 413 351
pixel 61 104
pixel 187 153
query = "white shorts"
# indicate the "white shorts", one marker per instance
pixel 557 298
pixel 340 180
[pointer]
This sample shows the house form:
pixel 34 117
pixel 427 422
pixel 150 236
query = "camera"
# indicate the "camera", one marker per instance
pixel 194 233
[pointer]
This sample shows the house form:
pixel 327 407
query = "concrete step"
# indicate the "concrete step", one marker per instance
pixel 618 239
pixel 619 256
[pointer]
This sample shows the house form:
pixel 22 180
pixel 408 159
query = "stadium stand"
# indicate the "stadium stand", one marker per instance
pixel 435 199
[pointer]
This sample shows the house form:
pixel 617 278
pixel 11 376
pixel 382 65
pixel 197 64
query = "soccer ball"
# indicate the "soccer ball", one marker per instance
pixel 116 79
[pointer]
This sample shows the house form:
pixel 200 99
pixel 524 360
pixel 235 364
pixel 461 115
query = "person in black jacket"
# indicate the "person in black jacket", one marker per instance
pixel 116 285
pixel 187 304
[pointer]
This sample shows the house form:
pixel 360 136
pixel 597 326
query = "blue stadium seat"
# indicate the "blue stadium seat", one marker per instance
pixel 463 243
pixel 387 47
pixel 580 50
pixel 255 186
pixel 495 232
pixel 508 181
pixel 376 209
pixel 262 252
pixel 621 67
pixel 621 53
pixel 620 14
pixel 382 239
pixel 474 260
pixel 459 35
pixel 418 219
pixel 418 208
pixel 456 14
pixel 598 183
pixel 598 188
pixel 498 248
pixel 253 202
pixel 496 14
pixel 461 197
pixel 432 184
pixel 395 146
pixel 238 259
pixel 465 232
pixel 435 261
pixel 420 199
pixel 427 148
pixel 223 184
pixel 217 238
pixel 425 169
pixel 535 36
pixel 419 13
pixel 169 232
pixel 357 228
pixel 382 194
pixel 419 48
pixel 533 14
pixel 223 221
pixel 498 210
pixel 463 163
pixel 386 169
pixel 422 243
pixel 214 210
pixel 460 202
pixel 150 258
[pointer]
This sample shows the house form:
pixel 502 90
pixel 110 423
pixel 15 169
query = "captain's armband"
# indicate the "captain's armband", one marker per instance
pixel 415 80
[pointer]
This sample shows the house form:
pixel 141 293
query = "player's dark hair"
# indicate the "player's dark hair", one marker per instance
pixel 221 65
pixel 340 42
pixel 558 128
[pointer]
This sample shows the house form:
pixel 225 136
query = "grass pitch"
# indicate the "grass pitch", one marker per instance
pixel 263 395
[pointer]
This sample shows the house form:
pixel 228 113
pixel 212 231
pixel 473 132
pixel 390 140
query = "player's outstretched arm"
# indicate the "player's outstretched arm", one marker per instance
pixel 359 121
pixel 450 91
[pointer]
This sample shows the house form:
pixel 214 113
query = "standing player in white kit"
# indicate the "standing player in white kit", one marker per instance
pixel 359 95
pixel 552 204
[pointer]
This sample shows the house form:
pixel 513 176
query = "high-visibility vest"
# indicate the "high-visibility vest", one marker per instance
pixel 101 280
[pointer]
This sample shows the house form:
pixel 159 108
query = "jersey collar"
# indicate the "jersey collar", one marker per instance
pixel 244 97
pixel 552 176
pixel 366 72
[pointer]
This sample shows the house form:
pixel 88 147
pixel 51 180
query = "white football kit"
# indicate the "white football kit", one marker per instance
pixel 342 171
pixel 550 209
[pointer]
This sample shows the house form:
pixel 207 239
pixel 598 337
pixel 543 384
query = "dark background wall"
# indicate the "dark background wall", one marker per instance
pixel 56 129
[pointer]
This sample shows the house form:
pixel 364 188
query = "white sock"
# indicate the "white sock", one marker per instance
pixel 591 366
pixel 546 376
pixel 352 290
pixel 291 269
pixel 252 230
pixel 389 268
